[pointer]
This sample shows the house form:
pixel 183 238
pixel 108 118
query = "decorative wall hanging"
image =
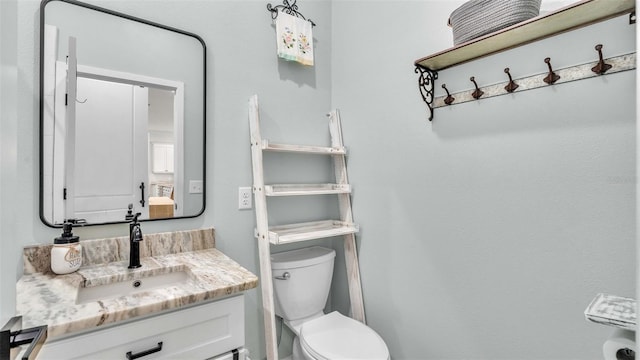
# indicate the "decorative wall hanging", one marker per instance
pixel 294 34
pixel 288 7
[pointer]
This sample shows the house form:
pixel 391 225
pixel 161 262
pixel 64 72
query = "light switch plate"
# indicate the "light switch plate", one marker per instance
pixel 195 187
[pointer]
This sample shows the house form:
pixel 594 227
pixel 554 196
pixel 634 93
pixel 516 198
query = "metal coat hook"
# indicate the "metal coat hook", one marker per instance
pixel 449 99
pixel 511 86
pixel 552 77
pixel 477 93
pixel 601 67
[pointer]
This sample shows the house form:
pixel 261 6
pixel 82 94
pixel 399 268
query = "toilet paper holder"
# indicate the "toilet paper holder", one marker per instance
pixel 625 354
pixel 620 345
pixel 619 313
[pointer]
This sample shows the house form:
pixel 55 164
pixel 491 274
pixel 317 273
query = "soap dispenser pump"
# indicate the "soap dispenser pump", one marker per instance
pixel 66 253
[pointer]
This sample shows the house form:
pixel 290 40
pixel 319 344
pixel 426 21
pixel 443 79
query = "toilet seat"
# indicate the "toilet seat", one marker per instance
pixel 335 336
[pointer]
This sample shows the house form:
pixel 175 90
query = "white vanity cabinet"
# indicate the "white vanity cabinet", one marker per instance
pixel 197 332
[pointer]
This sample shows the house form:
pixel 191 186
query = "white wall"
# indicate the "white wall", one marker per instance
pixel 486 233
pixel 8 132
pixel 483 236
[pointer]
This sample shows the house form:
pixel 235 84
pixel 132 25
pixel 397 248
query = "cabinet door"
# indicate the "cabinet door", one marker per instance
pixel 239 354
pixel 163 158
pixel 197 332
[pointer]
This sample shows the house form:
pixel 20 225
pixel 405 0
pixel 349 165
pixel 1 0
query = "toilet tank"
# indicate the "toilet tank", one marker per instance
pixel 304 292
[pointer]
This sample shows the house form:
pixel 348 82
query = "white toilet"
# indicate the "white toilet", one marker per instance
pixel 301 283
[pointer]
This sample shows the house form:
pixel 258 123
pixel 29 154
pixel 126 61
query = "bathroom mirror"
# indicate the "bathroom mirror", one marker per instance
pixel 122 117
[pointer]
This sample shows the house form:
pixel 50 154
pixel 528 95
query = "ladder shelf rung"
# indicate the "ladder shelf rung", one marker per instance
pixel 305 149
pixel 306 189
pixel 290 233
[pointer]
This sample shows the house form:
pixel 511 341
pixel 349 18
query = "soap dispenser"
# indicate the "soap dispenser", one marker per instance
pixel 66 253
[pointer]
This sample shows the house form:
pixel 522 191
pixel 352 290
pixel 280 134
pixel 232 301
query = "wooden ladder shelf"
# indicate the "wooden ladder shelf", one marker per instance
pixel 285 234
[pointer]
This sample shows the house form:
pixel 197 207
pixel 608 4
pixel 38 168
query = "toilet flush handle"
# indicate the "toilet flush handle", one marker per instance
pixel 284 276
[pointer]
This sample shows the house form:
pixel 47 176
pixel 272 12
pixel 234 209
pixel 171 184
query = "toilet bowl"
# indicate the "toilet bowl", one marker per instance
pixel 335 336
pixel 302 279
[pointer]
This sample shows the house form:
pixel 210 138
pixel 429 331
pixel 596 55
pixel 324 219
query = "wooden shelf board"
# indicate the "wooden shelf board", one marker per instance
pixel 576 15
pixel 284 234
pixel 306 189
pixel 307 149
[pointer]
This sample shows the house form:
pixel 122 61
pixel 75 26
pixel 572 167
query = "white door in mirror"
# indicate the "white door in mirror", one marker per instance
pixel 111 138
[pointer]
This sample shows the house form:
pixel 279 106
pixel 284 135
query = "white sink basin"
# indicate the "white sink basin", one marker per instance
pixel 130 287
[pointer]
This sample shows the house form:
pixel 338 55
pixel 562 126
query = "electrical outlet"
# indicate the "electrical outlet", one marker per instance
pixel 244 198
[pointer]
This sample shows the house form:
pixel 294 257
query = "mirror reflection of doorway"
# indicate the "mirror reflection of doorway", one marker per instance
pixel 161 154
pixel 157 56
pixel 122 123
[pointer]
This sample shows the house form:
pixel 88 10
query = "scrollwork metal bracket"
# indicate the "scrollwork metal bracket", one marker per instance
pixel 289 7
pixel 426 84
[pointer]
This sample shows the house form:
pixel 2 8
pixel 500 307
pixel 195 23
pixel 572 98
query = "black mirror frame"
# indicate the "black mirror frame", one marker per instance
pixel 41 110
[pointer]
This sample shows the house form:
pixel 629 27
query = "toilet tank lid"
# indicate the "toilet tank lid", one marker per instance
pixel 301 257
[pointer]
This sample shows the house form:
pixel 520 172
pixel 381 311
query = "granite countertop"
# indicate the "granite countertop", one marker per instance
pixel 46 298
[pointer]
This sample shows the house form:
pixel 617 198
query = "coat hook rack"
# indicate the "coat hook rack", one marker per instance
pixel 601 67
pixel 511 86
pixel 551 77
pixel 289 7
pixel 449 99
pixel 618 64
pixel 477 93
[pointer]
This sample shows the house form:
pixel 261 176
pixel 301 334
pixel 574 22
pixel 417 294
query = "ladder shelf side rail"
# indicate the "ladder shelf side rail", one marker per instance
pixel 262 226
pixel 356 298
pixel 282 234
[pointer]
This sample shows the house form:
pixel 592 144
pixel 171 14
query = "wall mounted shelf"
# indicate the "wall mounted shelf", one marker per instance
pixel 574 16
pixel 571 17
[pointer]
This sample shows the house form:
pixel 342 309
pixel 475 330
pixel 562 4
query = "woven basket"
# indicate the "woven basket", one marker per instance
pixel 476 18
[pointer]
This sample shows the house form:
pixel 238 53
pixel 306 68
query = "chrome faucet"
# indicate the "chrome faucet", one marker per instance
pixel 135 236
